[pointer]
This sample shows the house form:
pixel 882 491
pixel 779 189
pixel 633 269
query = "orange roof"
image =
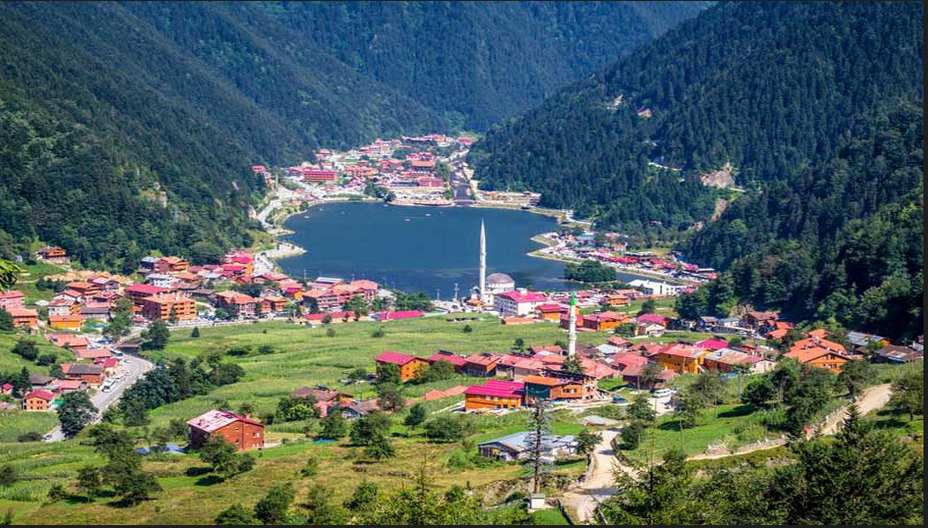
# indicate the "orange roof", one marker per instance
pixel 65 318
pixel 541 380
pixel 811 354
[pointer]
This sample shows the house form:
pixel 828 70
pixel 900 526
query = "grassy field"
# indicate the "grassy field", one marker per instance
pixel 302 356
pixel 17 422
pixel 34 272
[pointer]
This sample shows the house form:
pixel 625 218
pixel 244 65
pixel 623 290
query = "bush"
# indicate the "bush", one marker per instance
pixel 30 437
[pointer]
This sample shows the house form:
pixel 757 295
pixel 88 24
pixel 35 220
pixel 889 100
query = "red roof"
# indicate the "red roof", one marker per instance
pixel 652 318
pixel 527 297
pixel 45 395
pixel 213 420
pixel 454 359
pixel 628 359
pixel 550 308
pixel 712 344
pixel 147 289
pixel 483 358
pixel 509 389
pixel 396 358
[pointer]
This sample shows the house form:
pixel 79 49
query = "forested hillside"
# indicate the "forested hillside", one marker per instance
pixel 107 111
pixel 769 87
pixel 479 62
pixel 841 239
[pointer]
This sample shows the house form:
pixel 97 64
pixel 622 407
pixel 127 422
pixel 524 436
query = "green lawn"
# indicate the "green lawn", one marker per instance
pixel 26 281
pixel 16 422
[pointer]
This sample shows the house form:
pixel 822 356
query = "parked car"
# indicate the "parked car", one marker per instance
pixel 619 399
pixel 661 393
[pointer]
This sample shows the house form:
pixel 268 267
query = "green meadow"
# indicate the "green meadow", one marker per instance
pixel 300 356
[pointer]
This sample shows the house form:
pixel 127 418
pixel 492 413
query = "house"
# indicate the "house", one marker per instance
pixel 93 375
pixel 63 306
pixel 726 360
pixel 357 409
pixel 98 311
pixel 760 321
pixel 817 351
pixel 272 305
pixel 459 362
pixel 538 388
pixel 517 366
pixel 139 292
pixel 652 319
pixel 681 358
pixel 66 322
pixel 85 289
pixel 93 354
pixel 604 321
pixel 67 385
pixel 38 400
pixel 712 344
pixel 518 303
pixel 409 365
pixel 549 312
pixel 482 364
pixel 24 317
pixel 12 299
pixel 780 329
pixel 322 394
pixel 632 374
pixel 494 394
pixel 517 447
pixel 75 344
pixel 897 355
pixel 241 431
pixel 53 254
pixel 623 360
pixel 171 265
pixel 649 329
pixel 861 341
pixel 40 381
pixel 237 303
pixel 160 280
pixel 166 306
pixel 6 389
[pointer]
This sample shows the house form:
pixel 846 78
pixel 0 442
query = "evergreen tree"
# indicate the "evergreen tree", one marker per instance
pixel 75 413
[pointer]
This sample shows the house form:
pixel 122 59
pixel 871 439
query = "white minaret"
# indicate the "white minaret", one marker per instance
pixel 572 327
pixel 483 262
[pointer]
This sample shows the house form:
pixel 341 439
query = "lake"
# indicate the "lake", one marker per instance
pixel 420 248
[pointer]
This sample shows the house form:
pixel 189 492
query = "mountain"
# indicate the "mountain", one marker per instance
pixel 768 87
pixel 479 62
pixel 126 128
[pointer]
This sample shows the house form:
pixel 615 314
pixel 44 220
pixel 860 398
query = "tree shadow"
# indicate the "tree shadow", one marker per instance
pixel 197 471
pixel 210 480
pixel 741 410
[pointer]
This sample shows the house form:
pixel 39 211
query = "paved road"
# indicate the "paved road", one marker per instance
pixel 599 483
pixel 133 369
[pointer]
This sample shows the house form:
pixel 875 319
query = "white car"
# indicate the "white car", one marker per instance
pixel 661 393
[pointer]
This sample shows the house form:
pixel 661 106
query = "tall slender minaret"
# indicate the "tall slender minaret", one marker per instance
pixel 572 327
pixel 483 262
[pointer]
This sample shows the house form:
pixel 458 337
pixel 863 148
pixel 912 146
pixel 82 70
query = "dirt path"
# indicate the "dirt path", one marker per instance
pixel 598 484
pixel 872 399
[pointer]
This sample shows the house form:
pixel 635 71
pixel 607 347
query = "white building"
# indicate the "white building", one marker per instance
pixel 518 303
pixel 657 288
pixel 160 280
pixel 497 283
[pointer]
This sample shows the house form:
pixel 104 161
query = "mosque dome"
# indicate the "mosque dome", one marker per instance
pixel 499 279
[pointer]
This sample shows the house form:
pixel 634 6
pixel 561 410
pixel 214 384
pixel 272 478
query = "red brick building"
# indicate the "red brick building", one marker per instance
pixel 241 431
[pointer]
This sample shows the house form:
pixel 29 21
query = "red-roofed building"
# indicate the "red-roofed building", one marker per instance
pixel 11 299
pixel 712 344
pixel 238 303
pixel 24 317
pixel 494 394
pixel 482 364
pixel 681 358
pixel 549 311
pixel 38 400
pixel 652 318
pixel 138 292
pixel 518 303
pixel 409 365
pixel 518 367
pixel 459 362
pixel 550 388
pixel 75 344
pixel 241 431
pixel 320 176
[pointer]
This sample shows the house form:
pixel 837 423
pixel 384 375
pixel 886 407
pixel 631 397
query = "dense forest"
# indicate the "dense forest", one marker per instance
pixel 479 62
pixel 768 87
pixel 840 239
